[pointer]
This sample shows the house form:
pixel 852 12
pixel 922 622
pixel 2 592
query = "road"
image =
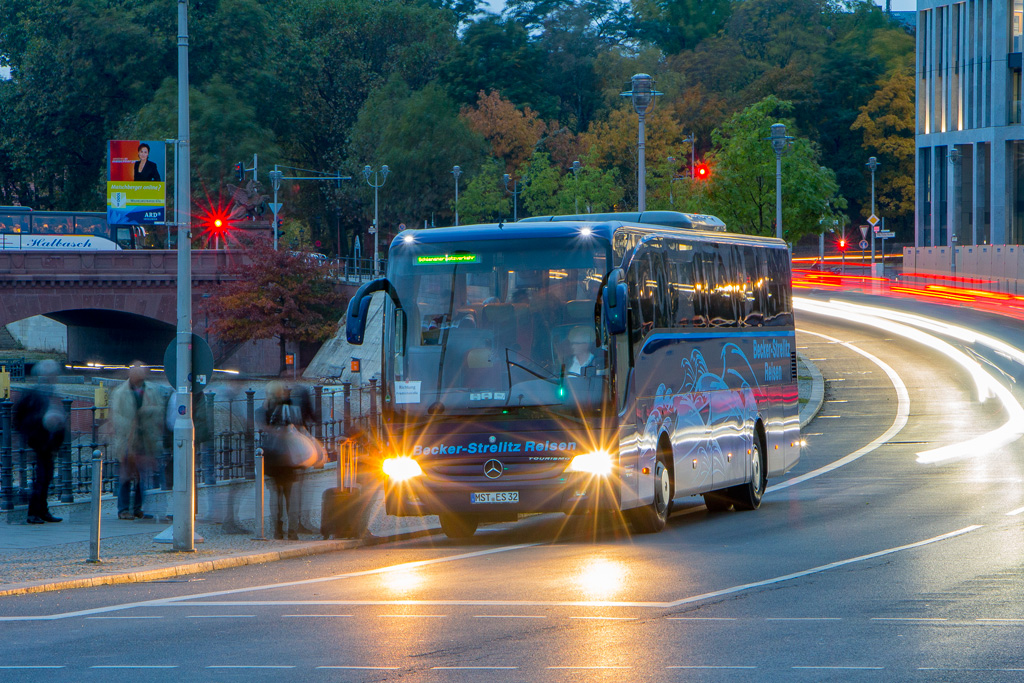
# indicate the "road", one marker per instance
pixel 870 566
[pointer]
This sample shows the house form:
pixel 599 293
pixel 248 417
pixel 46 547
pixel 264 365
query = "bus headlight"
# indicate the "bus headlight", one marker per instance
pixel 401 468
pixel 595 462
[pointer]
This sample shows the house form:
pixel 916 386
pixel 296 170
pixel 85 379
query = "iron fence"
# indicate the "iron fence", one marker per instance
pixel 340 411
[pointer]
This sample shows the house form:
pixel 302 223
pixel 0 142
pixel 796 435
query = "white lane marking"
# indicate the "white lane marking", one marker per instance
pixel 909 619
pixel 251 666
pixel 1013 513
pixel 843 668
pixel 413 616
pixel 509 616
pixel 902 414
pixel 221 616
pixel 319 616
pixel 696 666
pixel 31 666
pixel 939 668
pixel 986 384
pixel 590 667
pixel 1012 621
pixel 150 617
pixel 607 618
pixel 366 668
pixel 825 567
pixel 803 619
pixel 161 602
pixel 469 668
pixel 701 618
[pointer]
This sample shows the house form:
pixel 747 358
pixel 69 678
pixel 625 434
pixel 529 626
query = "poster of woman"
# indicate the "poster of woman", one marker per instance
pixel 135 187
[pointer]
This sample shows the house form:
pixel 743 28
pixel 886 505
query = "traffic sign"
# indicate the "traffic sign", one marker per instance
pixel 202 363
pixel 275 207
pixel 863 244
pixel 886 234
pixel 873 220
pixel 863 231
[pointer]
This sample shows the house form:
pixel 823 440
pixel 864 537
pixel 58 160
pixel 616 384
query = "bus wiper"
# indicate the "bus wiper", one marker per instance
pixel 509 363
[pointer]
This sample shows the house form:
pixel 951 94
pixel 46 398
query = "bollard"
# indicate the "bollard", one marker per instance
pixel 6 458
pixel 260 492
pixel 97 506
pixel 250 433
pixel 66 491
pixel 347 407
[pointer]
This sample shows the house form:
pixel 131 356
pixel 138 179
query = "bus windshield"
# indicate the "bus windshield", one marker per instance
pixel 498 326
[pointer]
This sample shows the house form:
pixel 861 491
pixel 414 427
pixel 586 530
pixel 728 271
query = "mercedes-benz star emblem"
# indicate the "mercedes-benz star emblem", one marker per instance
pixel 493 469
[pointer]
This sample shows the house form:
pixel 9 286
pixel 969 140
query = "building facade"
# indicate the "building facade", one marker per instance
pixel 970 139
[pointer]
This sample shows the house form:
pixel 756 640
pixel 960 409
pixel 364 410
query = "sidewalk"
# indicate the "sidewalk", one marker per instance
pixel 49 557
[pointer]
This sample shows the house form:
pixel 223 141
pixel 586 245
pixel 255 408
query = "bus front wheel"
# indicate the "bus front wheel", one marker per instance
pixel 748 496
pixel 652 518
pixel 458 526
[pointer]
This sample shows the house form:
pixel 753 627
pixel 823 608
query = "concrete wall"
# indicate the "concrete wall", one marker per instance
pixel 40 333
pixel 994 267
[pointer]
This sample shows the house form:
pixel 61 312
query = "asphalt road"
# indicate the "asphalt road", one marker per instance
pixel 863 563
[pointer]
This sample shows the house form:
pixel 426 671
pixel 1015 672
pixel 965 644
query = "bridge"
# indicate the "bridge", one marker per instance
pixel 117 305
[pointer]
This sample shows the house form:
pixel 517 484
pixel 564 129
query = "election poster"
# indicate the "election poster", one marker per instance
pixel 136 189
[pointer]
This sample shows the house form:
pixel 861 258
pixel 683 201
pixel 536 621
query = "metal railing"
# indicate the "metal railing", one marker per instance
pixel 340 411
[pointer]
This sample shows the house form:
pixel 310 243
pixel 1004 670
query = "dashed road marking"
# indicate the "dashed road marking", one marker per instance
pixel 909 619
pixel 221 616
pixel 709 666
pixel 316 616
pixel 509 616
pixel 1013 513
pixel 366 668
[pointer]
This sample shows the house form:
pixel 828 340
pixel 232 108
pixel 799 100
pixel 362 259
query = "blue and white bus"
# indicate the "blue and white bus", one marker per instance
pixel 577 364
pixel 24 229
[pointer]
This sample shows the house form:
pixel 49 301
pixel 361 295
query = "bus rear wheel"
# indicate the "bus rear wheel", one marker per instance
pixel 653 518
pixel 458 526
pixel 748 496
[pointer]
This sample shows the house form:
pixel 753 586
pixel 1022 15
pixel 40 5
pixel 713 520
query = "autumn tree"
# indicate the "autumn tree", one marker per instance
pixel 887 123
pixel 512 134
pixel 275 294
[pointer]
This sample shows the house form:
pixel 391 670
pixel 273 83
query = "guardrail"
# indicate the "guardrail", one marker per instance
pixel 340 411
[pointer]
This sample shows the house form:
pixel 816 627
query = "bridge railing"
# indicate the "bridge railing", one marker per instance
pixel 342 412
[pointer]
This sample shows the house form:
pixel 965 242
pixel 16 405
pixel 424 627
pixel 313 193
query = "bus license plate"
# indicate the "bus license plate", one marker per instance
pixel 495 497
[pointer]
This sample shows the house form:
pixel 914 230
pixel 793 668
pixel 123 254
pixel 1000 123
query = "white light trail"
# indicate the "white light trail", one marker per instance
pixel 987 386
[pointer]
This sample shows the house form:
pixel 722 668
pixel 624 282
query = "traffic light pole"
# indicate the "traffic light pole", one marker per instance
pixel 276 176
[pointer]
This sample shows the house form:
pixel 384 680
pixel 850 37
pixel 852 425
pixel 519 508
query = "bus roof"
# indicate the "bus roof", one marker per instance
pixel 670 219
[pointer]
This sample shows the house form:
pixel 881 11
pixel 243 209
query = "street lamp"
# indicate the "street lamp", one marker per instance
pixel 779 143
pixel 642 94
pixel 576 185
pixel 456 171
pixel 873 165
pixel 515 195
pixel 382 174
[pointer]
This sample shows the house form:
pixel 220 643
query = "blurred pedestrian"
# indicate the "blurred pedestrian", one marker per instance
pixel 276 415
pixel 137 416
pixel 40 419
pixel 302 398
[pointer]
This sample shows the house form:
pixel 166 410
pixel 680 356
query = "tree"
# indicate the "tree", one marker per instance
pixel 887 122
pixel 677 25
pixel 280 294
pixel 485 199
pixel 512 134
pixel 742 190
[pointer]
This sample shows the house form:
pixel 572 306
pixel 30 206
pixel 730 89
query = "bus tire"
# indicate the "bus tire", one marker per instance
pixel 716 502
pixel 652 518
pixel 458 526
pixel 748 496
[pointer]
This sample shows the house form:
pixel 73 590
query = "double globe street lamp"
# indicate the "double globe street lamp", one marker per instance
pixel 379 178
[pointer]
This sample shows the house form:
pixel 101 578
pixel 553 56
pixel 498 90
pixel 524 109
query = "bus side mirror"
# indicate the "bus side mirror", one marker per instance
pixel 359 308
pixel 616 302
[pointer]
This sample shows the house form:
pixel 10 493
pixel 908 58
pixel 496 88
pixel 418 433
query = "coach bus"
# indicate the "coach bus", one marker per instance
pixel 23 229
pixel 580 364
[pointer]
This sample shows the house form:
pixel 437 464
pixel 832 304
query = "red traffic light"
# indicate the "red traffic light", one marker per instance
pixel 702 171
pixel 843 244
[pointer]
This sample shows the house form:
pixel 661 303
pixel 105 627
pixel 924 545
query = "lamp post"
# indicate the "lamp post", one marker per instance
pixel 642 94
pixel 779 141
pixel 873 165
pixel 382 174
pixel 275 182
pixel 515 195
pixel 954 159
pixel 576 185
pixel 456 171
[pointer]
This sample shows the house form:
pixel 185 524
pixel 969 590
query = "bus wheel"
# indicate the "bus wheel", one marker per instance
pixel 652 518
pixel 748 496
pixel 716 502
pixel 458 526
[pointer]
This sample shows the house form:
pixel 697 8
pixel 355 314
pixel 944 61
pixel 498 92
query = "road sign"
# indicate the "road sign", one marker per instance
pixel 863 244
pixel 373 229
pixel 886 234
pixel 275 207
pixel 202 363
pixel 873 220
pixel 863 231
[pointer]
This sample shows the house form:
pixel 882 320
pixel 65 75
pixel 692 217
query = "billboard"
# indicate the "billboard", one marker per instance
pixel 136 190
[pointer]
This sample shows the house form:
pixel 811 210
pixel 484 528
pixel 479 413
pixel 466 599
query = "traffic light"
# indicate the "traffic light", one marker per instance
pixel 240 171
pixel 843 244
pixel 702 171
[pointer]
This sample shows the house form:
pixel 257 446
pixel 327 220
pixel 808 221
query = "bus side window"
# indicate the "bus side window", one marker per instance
pixel 779 311
pixel 681 271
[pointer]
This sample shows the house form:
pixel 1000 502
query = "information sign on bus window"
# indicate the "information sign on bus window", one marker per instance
pixel 447 258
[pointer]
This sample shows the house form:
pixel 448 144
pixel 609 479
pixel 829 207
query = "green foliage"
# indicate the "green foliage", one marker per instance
pixel 742 191
pixel 677 25
pixel 539 195
pixel 485 199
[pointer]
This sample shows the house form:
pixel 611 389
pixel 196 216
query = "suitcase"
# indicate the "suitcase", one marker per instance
pixel 342 507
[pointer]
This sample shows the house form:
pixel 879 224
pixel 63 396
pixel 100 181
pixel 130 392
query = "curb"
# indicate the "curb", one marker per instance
pixel 817 397
pixel 144 574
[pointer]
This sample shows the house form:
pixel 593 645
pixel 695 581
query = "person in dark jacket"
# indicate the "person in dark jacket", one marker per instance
pixel 40 419
pixel 275 416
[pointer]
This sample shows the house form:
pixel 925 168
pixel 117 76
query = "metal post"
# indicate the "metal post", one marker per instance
pixel 96 506
pixel 778 195
pixel 872 164
pixel 318 405
pixel 275 182
pixel 209 450
pixel 367 172
pixel 184 428
pixel 346 388
pixel 260 492
pixel 6 462
pixel 248 470
pixel 456 171
pixel 373 407
pixel 641 173
pixel 66 491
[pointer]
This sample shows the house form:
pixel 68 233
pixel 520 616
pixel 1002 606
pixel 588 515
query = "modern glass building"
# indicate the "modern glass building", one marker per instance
pixel 970 139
